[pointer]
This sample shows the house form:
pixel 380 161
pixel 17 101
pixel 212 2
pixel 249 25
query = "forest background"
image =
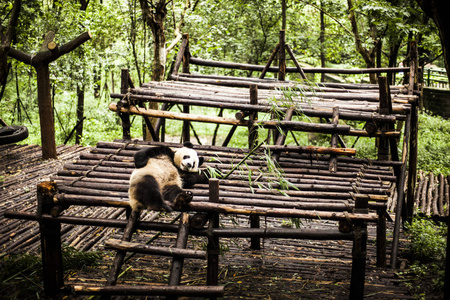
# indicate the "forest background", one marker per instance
pixel 142 36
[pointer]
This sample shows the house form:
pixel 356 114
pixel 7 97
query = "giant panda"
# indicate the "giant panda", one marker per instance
pixel 160 176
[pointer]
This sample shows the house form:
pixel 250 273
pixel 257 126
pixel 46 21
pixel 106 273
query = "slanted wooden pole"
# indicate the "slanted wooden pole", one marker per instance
pixel 186 54
pixel 181 243
pixel 120 255
pixel 269 62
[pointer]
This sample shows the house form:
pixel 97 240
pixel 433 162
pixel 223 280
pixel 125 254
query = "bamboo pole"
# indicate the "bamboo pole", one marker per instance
pixel 150 290
pixel 263 106
pixel 180 245
pixel 154 250
pixel 248 67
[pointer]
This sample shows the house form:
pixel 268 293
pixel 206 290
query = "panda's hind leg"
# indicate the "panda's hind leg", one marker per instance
pixel 179 197
pixel 146 194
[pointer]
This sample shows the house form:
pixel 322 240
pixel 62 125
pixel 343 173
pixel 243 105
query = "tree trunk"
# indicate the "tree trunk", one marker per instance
pixel 368 55
pixel 322 41
pixel 154 17
pixel 80 113
pixel 46 112
pixel 5 40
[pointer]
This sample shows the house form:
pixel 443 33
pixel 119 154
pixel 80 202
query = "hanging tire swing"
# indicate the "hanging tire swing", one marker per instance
pixel 12 134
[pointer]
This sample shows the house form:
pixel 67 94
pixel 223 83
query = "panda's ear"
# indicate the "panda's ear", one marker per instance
pixel 141 158
pixel 188 145
pixel 201 160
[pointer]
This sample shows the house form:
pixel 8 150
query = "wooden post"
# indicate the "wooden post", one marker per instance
pixel 334 140
pixel 126 124
pixel 385 109
pixel 447 264
pixel 186 54
pixel 50 241
pixel 213 248
pixel 186 132
pixel 359 252
pixel 252 142
pixel 282 56
pixel 413 148
pixel 381 238
pixel 253 117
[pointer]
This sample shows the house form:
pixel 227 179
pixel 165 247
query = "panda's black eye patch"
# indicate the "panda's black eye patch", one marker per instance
pixel 186 157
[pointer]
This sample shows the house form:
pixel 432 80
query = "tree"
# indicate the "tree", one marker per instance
pixel 48 53
pixel 5 39
pixel 438 11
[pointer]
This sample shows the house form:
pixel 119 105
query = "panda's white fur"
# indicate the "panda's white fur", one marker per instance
pixel 160 175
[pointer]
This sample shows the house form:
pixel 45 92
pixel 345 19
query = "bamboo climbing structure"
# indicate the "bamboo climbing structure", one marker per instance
pixel 308 182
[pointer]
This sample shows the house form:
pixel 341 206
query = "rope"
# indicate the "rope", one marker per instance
pixel 100 162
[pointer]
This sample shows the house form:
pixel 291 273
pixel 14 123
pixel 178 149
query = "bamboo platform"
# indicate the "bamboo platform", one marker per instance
pixel 329 258
pixel 342 199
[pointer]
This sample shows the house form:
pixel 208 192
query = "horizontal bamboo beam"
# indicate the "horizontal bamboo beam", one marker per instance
pixel 149 290
pixel 265 108
pixel 309 234
pixel 313 149
pixel 289 125
pixel 146 249
pixel 249 67
pixel 301 233
pixel 279 212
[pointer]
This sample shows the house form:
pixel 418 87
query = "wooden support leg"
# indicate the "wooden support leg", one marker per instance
pixel 359 261
pixel 282 137
pixel 255 242
pixel 229 136
pixel 213 249
pixel 177 262
pixel 50 241
pixel 51 257
pixel 118 260
pixel 186 135
pixel 381 238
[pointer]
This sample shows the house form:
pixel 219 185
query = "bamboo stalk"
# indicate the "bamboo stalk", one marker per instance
pixel 441 200
pixel 150 290
pixel 430 194
pixel 223 64
pixel 154 250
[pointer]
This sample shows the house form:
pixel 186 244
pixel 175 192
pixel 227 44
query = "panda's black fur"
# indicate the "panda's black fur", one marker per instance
pixel 160 176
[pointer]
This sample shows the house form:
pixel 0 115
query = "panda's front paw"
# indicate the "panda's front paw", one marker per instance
pixel 182 200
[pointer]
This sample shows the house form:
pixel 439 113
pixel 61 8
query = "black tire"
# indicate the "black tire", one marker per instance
pixel 12 134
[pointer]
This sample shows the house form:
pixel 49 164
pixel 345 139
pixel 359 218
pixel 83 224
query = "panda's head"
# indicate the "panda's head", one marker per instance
pixel 187 159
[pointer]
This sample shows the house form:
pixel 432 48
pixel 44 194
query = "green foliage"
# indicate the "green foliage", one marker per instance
pixel 433 144
pixel 427 240
pixel 21 274
pixel 426 251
